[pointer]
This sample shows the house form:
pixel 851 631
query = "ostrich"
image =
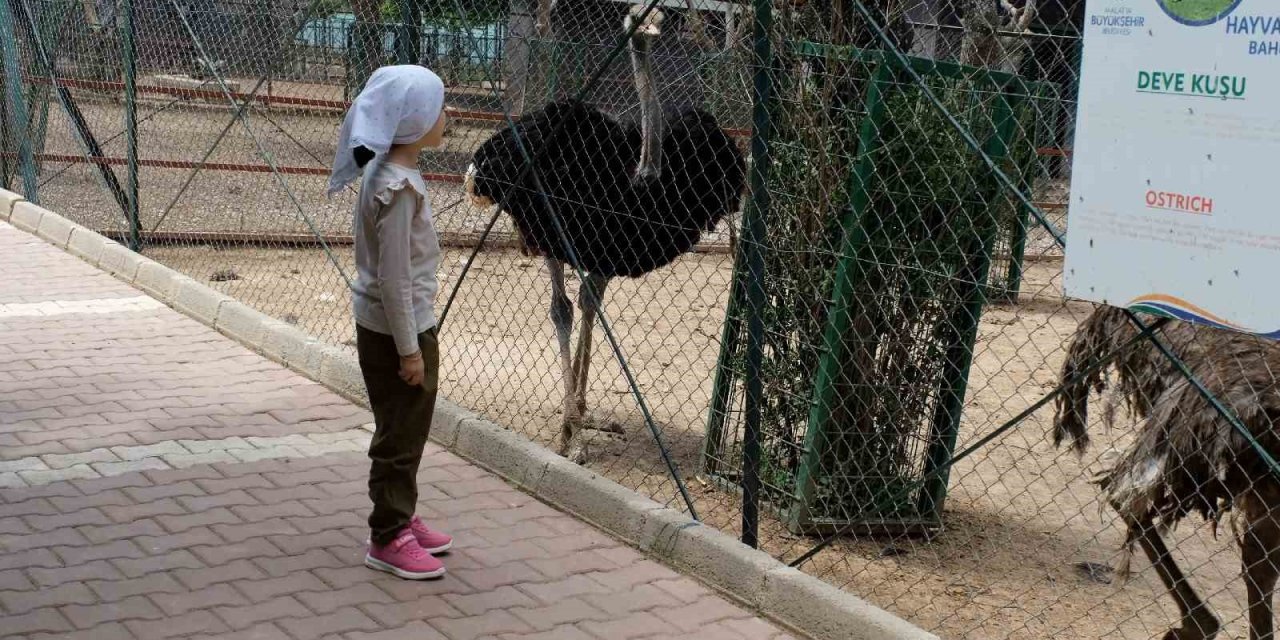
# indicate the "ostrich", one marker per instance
pixel 987 42
pixel 630 199
pixel 1186 458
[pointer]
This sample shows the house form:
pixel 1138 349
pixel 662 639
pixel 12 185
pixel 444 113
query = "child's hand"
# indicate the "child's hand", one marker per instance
pixel 412 369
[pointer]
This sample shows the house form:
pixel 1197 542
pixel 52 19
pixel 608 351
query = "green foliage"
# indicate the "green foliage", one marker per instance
pixel 931 212
pixel 389 10
pixel 464 12
pixel 447 12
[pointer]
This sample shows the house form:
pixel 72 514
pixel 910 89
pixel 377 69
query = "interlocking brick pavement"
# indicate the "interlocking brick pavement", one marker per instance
pixel 157 480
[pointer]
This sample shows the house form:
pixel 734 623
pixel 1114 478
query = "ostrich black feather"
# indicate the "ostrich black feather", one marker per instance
pixel 617 225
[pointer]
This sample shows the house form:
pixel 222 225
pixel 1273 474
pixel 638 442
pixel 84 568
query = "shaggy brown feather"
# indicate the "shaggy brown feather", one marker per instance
pixel 1186 457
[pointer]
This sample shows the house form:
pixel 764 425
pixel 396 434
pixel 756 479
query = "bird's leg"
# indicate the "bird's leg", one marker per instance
pixel 1260 555
pixel 562 319
pixel 1198 623
pixel 590 296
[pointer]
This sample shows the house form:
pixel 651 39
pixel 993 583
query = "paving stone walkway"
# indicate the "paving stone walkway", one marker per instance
pixel 158 480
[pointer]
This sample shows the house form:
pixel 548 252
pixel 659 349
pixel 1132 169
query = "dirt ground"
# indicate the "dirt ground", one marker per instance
pixel 1020 516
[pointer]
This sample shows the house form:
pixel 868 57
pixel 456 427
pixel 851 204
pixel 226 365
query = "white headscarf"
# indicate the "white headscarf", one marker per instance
pixel 398 105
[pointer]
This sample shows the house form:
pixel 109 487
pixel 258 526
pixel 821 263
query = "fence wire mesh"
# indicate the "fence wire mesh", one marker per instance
pixel 907 168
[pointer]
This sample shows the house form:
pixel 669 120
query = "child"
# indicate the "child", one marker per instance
pixel 398 114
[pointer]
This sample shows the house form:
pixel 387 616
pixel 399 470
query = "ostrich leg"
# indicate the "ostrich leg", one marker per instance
pixel 1198 623
pixel 562 319
pixel 590 305
pixel 1260 555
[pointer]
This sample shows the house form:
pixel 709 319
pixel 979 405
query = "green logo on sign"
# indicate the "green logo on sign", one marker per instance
pixel 1198 13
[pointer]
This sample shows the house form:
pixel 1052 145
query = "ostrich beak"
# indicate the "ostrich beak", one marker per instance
pixel 469 185
pixel 652 25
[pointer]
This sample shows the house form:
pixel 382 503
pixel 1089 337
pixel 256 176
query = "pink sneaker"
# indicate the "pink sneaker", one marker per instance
pixel 430 541
pixel 404 557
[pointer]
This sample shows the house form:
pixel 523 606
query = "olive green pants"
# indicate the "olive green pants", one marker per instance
pixel 402 419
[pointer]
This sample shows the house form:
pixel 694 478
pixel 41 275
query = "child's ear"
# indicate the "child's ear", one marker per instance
pixel 362 155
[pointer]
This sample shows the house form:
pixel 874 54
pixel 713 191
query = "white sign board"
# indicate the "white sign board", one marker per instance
pixel 1176 156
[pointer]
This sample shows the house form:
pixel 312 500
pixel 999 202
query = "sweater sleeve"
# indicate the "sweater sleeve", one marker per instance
pixel 394 277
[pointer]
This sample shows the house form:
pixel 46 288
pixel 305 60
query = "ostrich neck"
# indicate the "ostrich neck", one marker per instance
pixel 650 113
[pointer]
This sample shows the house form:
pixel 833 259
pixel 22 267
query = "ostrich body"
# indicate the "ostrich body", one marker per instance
pixel 629 199
pixel 1186 458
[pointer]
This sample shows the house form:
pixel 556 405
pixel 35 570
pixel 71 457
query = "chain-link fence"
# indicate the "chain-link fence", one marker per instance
pixel 828 308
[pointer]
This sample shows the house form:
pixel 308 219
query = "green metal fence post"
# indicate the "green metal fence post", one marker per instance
pixel 1018 233
pixel 964 322
pixel 753 239
pixel 714 455
pixel 1032 96
pixel 854 236
pixel 130 56
pixel 17 105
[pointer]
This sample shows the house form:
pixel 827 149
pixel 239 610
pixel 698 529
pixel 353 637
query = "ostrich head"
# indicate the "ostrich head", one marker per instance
pixel 497 167
pixel 494 167
pixel 648 30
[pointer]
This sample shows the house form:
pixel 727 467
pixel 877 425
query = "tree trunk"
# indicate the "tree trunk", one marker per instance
pixel 515 55
pixel 409 33
pixel 364 48
pixel 544 18
pixel 981 45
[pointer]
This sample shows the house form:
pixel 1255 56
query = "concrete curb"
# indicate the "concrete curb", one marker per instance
pixel 7 200
pixel 751 577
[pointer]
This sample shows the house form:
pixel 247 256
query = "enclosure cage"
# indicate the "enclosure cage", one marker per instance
pixel 884 241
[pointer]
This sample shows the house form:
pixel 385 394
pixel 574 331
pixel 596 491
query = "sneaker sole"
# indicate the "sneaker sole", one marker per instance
pixel 378 565
pixel 440 549
pixel 435 551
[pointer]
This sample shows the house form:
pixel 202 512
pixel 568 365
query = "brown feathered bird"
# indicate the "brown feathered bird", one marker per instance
pixel 1186 457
